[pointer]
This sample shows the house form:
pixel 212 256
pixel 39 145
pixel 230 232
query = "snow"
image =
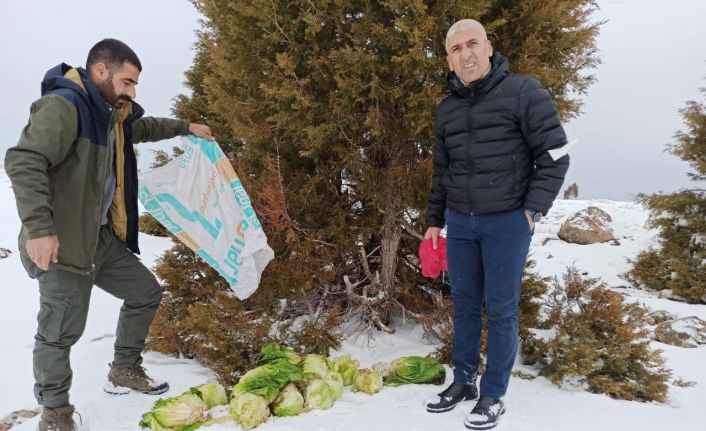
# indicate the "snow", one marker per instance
pixel 603 260
pixel 531 404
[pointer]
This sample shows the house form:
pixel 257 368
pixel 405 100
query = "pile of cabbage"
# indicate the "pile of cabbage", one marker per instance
pixel 285 384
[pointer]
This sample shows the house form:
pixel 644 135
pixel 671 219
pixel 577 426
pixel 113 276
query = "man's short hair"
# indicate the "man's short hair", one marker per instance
pixel 113 53
pixel 463 25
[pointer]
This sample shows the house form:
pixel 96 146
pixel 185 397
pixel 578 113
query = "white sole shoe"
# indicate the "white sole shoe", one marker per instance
pixel 110 388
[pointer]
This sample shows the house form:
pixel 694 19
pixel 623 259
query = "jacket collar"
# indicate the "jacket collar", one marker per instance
pixel 499 69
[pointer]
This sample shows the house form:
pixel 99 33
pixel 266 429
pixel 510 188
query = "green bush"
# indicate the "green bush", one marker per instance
pixel 680 217
pixel 601 341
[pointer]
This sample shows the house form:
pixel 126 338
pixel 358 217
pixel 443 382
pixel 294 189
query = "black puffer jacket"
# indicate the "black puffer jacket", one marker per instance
pixel 492 143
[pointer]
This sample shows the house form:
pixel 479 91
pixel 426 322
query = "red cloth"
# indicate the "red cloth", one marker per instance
pixel 433 261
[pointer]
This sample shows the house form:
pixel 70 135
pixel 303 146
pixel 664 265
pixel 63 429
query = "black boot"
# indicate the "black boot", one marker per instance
pixel 485 415
pixel 453 395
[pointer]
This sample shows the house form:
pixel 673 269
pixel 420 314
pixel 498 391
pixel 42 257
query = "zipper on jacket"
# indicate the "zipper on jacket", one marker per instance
pixel 469 155
pixel 105 177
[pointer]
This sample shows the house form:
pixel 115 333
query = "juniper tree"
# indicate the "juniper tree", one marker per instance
pixel 681 218
pixel 572 192
pixel 600 340
pixel 326 109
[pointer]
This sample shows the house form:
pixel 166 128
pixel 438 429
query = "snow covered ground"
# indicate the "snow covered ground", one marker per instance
pixel 532 405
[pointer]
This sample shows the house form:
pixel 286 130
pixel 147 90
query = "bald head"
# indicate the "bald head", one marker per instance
pixel 464 25
pixel 468 50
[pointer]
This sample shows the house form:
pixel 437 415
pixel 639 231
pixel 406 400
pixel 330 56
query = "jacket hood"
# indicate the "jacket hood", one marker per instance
pixel 55 79
pixel 499 69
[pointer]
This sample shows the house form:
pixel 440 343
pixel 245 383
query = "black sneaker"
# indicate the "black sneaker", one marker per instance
pixel 485 415
pixel 451 396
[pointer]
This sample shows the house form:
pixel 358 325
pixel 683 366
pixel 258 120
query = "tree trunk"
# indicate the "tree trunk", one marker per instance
pixel 390 243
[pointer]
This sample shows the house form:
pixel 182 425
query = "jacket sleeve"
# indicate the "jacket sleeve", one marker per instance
pixel 543 132
pixel 44 143
pixel 152 129
pixel 437 197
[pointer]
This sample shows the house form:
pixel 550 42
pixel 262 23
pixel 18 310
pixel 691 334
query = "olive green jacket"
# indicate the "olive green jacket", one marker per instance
pixel 59 167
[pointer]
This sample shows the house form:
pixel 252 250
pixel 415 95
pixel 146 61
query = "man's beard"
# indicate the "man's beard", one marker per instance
pixel 107 92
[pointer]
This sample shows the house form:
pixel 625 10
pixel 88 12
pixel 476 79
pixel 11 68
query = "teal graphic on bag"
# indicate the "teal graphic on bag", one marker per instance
pixel 199 198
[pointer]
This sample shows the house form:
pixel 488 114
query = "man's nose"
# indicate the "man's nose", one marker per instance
pixel 131 92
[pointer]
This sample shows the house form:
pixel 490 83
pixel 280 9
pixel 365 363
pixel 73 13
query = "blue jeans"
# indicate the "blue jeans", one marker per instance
pixel 486 255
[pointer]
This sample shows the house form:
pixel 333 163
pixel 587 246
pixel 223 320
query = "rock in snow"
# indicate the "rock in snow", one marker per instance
pixel 588 226
pixel 685 332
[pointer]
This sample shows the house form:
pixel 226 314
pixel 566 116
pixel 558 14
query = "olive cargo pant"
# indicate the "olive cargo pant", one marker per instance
pixel 64 299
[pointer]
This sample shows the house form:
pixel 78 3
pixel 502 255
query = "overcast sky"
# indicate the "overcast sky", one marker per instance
pixel 36 35
pixel 653 52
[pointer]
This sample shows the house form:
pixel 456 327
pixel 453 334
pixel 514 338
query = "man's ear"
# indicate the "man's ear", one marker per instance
pixel 100 71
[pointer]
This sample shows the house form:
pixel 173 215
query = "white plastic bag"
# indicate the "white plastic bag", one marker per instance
pixel 199 198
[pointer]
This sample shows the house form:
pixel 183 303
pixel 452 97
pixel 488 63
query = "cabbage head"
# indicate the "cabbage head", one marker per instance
pixel 249 410
pixel 179 411
pixel 148 421
pixel 267 380
pixel 212 393
pixel 271 352
pixel 412 369
pixel 346 366
pixel 289 402
pixel 335 380
pixel 315 366
pixel 319 394
pixel 368 381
